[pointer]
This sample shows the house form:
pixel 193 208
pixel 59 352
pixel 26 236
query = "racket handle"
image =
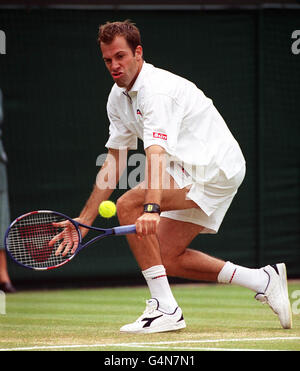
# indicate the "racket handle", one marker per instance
pixel 124 229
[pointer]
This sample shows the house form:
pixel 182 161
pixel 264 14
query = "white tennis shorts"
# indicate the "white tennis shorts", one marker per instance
pixel 213 198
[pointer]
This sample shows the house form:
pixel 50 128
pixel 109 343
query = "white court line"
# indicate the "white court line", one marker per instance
pixel 157 345
pixel 197 348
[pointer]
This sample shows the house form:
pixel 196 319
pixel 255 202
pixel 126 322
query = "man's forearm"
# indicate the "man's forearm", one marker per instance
pixel 106 182
pixel 155 174
pixel 90 210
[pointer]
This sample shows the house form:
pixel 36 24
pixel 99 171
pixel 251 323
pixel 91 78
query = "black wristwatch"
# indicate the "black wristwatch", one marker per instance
pixel 151 208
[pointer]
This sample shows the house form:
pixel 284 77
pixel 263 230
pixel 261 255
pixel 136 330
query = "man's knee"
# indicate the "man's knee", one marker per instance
pixel 123 208
pixel 129 207
pixel 168 256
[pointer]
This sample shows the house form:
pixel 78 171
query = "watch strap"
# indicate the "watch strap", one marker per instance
pixel 152 208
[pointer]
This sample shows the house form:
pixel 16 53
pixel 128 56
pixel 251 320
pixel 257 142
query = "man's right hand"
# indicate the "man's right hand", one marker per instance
pixel 69 237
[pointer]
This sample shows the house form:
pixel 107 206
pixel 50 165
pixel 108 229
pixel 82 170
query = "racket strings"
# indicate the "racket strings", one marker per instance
pixel 28 240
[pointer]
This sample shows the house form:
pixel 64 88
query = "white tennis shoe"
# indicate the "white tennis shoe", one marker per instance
pixel 276 294
pixel 154 320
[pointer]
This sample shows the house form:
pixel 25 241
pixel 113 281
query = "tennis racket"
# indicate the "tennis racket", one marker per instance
pixel 27 238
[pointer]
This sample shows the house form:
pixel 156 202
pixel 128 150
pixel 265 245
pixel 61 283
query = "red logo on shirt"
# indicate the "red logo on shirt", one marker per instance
pixel 160 135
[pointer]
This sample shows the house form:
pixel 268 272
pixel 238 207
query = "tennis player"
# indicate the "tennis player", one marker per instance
pixel 194 167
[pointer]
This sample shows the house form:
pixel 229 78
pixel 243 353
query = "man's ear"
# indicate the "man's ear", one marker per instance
pixel 139 52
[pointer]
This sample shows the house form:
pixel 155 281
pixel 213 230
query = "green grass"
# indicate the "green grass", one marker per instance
pixel 217 316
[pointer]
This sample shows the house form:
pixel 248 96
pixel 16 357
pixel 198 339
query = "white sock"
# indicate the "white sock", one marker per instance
pixel 159 287
pixel 254 279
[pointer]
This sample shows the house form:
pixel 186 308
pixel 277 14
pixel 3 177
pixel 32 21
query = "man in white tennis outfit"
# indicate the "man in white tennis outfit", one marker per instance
pixel 194 167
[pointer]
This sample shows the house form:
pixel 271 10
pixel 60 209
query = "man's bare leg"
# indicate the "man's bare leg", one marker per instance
pixel 130 207
pixel 174 238
pixel 147 250
pixel 170 246
pixel 169 249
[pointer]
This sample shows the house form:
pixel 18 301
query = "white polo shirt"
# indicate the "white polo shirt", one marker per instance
pixel 165 109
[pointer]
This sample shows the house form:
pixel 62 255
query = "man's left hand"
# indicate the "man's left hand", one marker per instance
pixel 147 224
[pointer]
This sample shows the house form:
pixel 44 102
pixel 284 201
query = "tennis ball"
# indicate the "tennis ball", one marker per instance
pixel 107 209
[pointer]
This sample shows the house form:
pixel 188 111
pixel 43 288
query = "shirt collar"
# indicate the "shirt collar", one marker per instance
pixel 139 80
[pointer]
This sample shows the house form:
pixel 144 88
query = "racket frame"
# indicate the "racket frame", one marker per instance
pixel 105 232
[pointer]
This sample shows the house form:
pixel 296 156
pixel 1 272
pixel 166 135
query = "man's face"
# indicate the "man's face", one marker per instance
pixel 123 65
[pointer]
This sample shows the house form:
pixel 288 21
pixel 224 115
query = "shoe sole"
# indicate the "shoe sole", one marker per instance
pixel 286 316
pixel 165 328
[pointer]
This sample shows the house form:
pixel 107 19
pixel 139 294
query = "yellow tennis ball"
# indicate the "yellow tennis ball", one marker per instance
pixel 107 209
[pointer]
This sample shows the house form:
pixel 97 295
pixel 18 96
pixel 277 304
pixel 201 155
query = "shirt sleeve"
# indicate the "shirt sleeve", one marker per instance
pixel 162 120
pixel 119 134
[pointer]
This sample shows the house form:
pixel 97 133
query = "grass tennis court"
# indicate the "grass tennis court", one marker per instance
pixel 217 316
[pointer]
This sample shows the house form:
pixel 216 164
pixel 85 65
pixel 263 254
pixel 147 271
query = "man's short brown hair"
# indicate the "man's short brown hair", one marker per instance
pixel 109 30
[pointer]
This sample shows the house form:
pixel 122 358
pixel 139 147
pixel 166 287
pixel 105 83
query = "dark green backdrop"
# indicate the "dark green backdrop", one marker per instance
pixel 55 90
